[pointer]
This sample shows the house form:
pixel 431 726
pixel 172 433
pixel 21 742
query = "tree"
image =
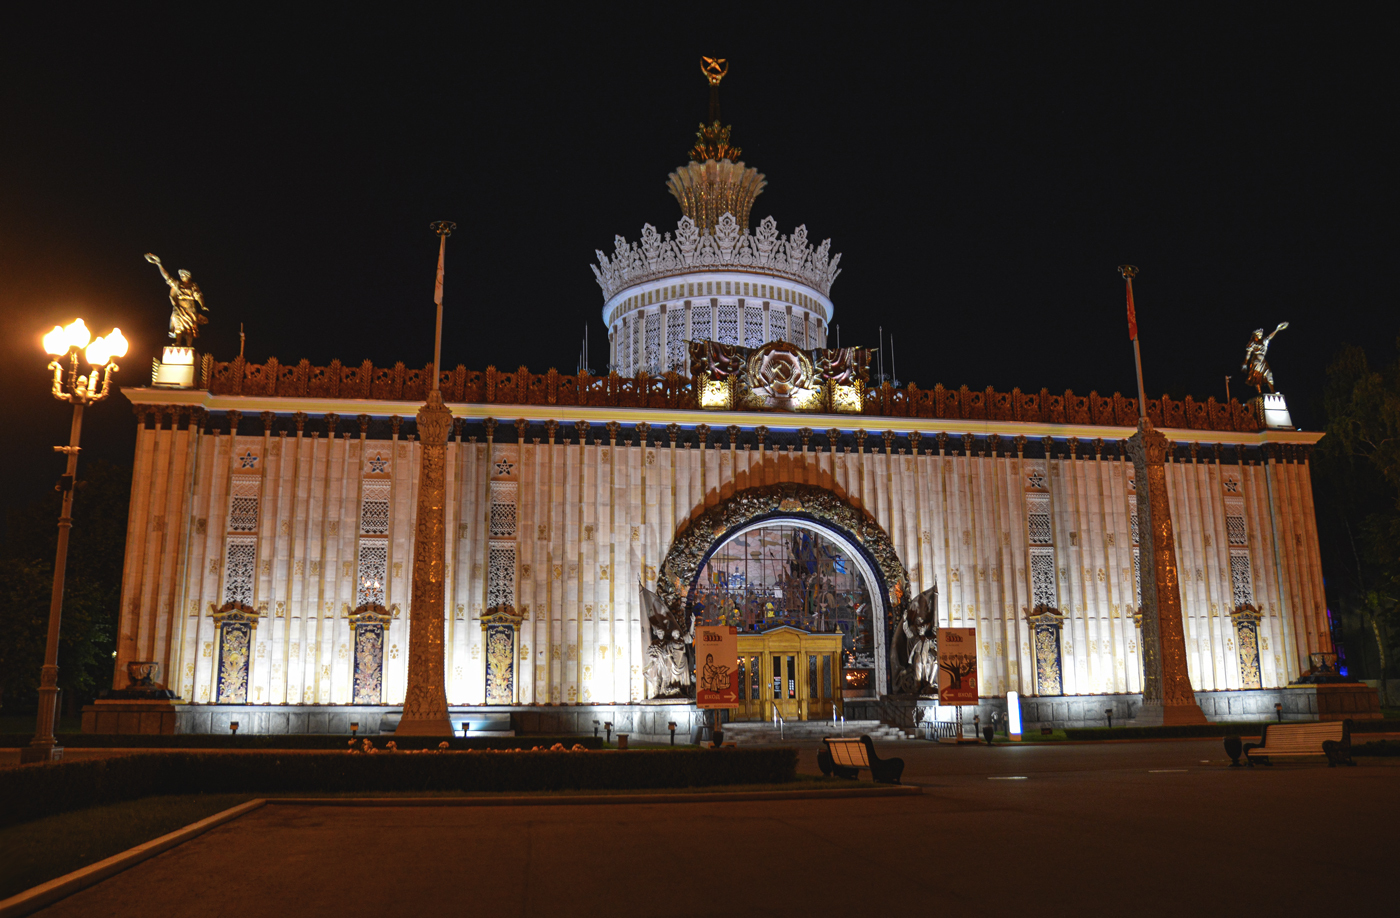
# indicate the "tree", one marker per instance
pixel 92 593
pixel 1356 475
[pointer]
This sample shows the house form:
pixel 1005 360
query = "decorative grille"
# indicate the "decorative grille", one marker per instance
pixel 1043 577
pixel 243 504
pixel 374 508
pixel 374 571
pixel 638 330
pixel 653 346
pixel 700 322
pixel 504 497
pixel 1234 523
pixel 1038 519
pixel 777 326
pixel 753 326
pixel 675 340
pixel 728 324
pixel 1240 578
pixel 500 582
pixel 240 559
pixel 798 328
pixel 1133 522
pixel 1137 575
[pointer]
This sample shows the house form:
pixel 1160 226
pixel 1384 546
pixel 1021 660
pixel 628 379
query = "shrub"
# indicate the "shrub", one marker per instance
pixel 42 790
pixel 330 741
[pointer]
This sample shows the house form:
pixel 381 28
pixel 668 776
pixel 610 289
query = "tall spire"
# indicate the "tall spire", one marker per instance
pixel 715 182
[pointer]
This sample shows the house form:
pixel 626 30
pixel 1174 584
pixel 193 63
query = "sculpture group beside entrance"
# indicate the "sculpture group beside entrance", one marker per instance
pixel 669 637
pixel 914 649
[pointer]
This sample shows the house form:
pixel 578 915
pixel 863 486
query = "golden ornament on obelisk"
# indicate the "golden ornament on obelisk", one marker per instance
pixel 1167 697
pixel 425 702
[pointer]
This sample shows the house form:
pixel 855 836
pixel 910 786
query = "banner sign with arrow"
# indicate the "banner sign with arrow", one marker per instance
pixel 957 666
pixel 716 666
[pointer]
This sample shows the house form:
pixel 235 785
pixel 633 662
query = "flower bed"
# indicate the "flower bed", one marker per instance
pixel 41 790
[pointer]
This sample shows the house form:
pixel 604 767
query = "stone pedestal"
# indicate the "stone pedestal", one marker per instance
pixel 125 715
pixel 1272 411
pixel 174 369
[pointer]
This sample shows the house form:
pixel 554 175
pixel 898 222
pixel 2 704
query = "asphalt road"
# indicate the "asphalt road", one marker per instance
pixel 1125 829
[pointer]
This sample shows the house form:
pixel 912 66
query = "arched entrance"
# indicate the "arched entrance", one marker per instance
pixel 792 559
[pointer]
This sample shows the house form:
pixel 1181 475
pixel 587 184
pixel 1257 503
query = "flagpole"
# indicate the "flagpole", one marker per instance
pixel 1129 272
pixel 444 229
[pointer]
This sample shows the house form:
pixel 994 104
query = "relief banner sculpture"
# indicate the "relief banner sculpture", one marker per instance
pixel 779 377
pixel 914 649
pixel 667 636
pixel 369 664
pixel 1045 624
pixel 1246 619
pixel 234 640
pixel 500 664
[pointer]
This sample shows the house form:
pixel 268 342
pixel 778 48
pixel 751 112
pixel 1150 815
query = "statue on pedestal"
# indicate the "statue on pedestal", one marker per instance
pixel 186 305
pixel 1256 366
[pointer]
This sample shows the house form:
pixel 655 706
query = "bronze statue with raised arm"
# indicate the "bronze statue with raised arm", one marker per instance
pixel 1256 366
pixel 186 305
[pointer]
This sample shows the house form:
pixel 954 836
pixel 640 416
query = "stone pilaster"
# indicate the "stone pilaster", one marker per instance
pixel 425 702
pixel 1167 697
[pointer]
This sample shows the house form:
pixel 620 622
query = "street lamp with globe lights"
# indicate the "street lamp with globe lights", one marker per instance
pixel 67 346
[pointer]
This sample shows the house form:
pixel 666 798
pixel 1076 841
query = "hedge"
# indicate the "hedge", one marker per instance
pixel 1252 728
pixel 35 791
pixel 331 741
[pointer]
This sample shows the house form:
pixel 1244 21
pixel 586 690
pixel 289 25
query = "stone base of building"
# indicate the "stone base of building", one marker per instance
pixel 128 715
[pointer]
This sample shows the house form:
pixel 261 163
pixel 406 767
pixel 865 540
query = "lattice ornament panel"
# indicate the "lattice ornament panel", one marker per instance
pixel 638 342
pixel 676 352
pixel 504 498
pixel 1234 523
pixel 1241 578
pixel 1043 578
pixel 700 322
pixel 240 561
pixel 1137 575
pixel 374 508
pixel 653 344
pixel 1038 526
pixel 1133 523
pixel 373 571
pixel 243 504
pixel 753 326
pixel 728 323
pixel 500 580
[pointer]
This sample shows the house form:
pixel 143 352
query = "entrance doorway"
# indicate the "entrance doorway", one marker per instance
pixel 791 671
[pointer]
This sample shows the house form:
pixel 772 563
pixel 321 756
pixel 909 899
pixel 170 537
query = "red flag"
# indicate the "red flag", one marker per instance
pixel 1132 314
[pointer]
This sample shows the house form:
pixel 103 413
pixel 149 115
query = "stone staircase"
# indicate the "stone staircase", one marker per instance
pixel 750 733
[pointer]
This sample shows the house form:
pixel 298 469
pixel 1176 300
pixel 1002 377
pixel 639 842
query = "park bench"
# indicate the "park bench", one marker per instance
pixel 845 757
pixel 1330 738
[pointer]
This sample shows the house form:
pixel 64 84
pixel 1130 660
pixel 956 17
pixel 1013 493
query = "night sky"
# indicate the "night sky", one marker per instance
pixel 982 170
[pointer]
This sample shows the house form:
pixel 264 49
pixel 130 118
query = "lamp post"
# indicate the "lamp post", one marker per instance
pixel 67 345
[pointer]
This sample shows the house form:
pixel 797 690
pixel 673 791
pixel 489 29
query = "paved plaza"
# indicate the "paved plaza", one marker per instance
pixel 1159 828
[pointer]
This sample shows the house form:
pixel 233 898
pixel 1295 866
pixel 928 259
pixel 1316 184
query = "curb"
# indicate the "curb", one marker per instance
pixel 45 894
pixel 901 790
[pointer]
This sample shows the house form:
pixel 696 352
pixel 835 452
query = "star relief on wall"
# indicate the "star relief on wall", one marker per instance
pixel 247 460
pixel 378 465
pixel 504 466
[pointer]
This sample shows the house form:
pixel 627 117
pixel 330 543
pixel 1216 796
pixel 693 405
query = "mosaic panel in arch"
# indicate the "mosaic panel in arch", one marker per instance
pixel 500 664
pixel 234 640
pixel 1047 660
pixel 369 664
pixel 1247 634
pixel 787 575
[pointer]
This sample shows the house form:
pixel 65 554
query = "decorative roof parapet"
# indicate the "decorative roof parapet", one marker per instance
pixel 671 390
pixel 729 247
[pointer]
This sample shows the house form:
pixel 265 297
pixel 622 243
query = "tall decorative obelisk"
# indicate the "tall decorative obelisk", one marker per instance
pixel 1167 697
pixel 425 702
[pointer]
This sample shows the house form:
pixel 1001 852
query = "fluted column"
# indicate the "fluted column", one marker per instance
pixel 425 701
pixel 1167 697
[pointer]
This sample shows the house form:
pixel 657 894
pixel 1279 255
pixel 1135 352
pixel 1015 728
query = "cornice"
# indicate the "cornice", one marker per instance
pixel 692 417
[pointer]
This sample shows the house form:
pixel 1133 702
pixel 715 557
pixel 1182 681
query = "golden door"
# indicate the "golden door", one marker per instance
pixel 794 672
